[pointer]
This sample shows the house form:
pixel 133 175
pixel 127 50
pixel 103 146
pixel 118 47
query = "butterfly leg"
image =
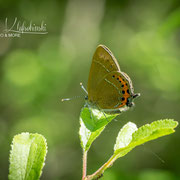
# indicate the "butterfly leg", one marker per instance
pixel 89 108
pixel 101 110
pixel 105 115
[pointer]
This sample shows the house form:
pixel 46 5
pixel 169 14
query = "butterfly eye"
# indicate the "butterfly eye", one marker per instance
pixel 122 85
pixel 122 98
pixel 113 76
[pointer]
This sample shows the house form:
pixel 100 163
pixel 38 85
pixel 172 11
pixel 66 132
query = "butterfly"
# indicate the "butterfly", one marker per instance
pixel 109 89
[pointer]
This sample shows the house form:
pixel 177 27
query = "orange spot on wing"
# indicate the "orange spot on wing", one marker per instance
pixel 125 88
pixel 121 105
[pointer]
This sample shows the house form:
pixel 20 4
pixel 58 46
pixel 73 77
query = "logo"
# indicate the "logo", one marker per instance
pixel 17 28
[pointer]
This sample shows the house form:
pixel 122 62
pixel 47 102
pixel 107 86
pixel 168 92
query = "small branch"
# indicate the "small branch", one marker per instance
pixel 99 173
pixel 84 165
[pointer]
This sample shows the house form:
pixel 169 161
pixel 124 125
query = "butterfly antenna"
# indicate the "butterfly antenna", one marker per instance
pixel 68 99
pixel 83 88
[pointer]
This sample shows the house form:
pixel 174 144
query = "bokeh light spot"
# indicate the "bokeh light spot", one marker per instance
pixel 22 68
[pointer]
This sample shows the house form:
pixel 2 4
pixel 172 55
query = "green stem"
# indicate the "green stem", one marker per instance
pixel 84 165
pixel 99 173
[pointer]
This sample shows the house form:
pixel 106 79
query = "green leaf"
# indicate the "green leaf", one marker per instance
pixel 86 136
pixel 95 119
pixel 154 130
pixel 92 123
pixel 125 135
pixel 145 133
pixel 27 156
pixel 129 137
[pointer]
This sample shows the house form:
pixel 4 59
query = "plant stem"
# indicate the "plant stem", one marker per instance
pixel 84 165
pixel 99 173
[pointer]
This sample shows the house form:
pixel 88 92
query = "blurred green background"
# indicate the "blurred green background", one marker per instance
pixel 36 71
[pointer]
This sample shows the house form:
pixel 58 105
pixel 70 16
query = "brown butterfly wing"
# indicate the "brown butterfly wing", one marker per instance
pixel 103 62
pixel 113 91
